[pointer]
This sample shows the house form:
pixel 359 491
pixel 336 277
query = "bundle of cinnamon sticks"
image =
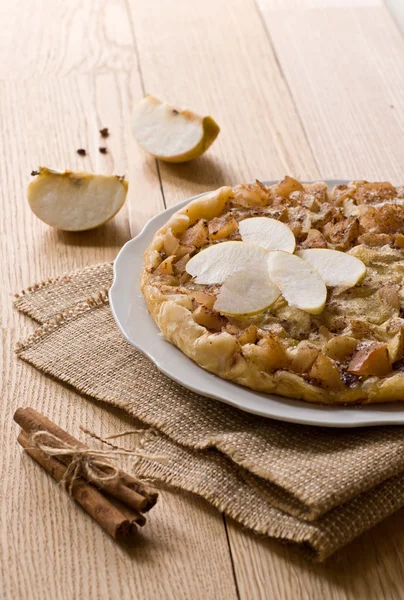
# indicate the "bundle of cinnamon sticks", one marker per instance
pixel 117 504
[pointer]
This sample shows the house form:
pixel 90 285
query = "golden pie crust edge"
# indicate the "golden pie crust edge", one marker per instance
pixel 219 353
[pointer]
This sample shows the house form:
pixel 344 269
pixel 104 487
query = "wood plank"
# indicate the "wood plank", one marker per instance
pixel 346 79
pixel 50 548
pixel 370 568
pixel 60 38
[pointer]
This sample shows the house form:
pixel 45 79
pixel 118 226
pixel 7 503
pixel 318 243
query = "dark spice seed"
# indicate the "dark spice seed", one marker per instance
pixel 103 150
pixel 33 173
pixel 175 111
pixel 104 132
pixel 81 151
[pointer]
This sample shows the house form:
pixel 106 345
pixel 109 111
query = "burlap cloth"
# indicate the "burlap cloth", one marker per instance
pixel 316 487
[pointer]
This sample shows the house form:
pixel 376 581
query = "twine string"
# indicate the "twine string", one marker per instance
pixel 89 463
pixel 143 436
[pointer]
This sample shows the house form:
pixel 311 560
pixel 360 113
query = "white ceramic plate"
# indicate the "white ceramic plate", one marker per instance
pixel 130 312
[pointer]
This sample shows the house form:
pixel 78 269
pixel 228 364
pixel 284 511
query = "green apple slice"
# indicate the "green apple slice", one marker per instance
pixel 216 263
pixel 172 134
pixel 301 285
pixel 246 293
pixel 76 201
pixel 268 233
pixel 335 267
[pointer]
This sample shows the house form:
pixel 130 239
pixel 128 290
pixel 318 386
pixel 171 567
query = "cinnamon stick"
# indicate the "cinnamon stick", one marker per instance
pixel 125 488
pixel 112 520
pixel 135 517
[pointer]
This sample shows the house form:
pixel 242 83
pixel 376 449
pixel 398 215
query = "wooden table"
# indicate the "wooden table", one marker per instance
pixel 312 88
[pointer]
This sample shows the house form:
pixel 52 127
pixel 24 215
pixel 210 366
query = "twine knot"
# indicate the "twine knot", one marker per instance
pixel 88 463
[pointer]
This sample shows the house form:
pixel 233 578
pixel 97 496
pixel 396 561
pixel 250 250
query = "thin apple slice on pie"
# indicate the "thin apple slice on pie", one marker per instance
pixel 217 262
pixel 268 233
pixel 246 293
pixel 335 267
pixel 300 284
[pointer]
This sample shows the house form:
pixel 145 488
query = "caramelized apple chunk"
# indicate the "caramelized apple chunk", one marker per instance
pixel 342 192
pixel 319 189
pixel 399 240
pixel 302 358
pixel 326 372
pixel 343 233
pixel 340 347
pixel 387 218
pixel 375 240
pixel 166 267
pixel 379 191
pixel 248 335
pixel 197 235
pixel 315 239
pixel 372 359
pixel 166 282
pixel 208 318
pixel 287 186
pixel 249 195
pixel 395 346
pixel 307 200
pixel 220 228
pixel 204 298
pixel 269 354
pixel 183 250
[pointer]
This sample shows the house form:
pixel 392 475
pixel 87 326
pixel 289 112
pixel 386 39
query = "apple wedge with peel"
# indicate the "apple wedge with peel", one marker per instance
pixel 335 267
pixel 246 293
pixel 216 263
pixel 172 134
pixel 300 284
pixel 76 201
pixel 268 233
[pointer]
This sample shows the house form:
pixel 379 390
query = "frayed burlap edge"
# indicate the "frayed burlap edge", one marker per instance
pixel 99 277
pixel 219 482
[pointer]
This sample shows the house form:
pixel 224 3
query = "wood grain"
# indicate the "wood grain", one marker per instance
pixel 305 87
pixel 346 78
pixel 370 568
pixel 44 38
pixel 49 547
pixel 223 66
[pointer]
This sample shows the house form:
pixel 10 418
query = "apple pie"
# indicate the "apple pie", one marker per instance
pixel 293 289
